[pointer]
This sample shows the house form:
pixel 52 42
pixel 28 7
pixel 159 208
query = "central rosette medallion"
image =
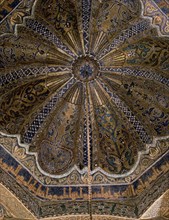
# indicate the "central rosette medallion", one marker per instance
pixel 85 68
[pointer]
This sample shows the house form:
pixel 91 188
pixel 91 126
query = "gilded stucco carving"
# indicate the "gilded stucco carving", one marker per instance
pixel 84 105
pixel 11 207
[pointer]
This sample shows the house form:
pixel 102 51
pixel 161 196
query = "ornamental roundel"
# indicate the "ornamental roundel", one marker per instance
pixel 84 87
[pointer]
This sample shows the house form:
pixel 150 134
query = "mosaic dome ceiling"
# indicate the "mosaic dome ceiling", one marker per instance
pixel 84 107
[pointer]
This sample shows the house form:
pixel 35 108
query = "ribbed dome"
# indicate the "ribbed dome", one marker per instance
pixel 85 88
pixel 94 93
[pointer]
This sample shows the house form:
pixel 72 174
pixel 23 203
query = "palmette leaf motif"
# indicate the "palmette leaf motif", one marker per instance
pixel 83 86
